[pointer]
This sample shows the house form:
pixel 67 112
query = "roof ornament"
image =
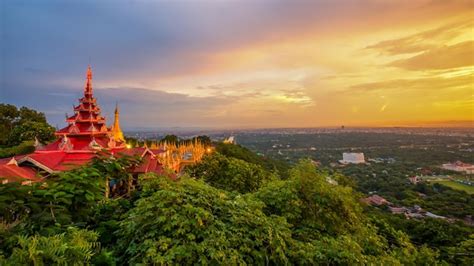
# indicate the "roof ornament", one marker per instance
pixel 92 128
pixel 116 130
pixel 93 144
pixel 111 143
pixel 88 87
pixel 12 162
pixel 38 144
pixel 65 143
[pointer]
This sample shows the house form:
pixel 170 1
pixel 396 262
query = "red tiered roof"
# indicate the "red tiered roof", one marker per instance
pixel 87 119
pixel 85 135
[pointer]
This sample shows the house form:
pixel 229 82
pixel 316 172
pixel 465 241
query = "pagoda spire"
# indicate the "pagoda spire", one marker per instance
pixel 116 130
pixel 88 87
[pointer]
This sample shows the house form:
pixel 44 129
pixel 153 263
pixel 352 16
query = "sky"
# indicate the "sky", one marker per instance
pixel 244 64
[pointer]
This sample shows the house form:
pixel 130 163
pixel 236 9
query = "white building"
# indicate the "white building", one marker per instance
pixel 352 157
pixel 230 140
pixel 459 167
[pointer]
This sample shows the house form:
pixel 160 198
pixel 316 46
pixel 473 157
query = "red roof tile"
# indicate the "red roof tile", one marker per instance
pixel 14 173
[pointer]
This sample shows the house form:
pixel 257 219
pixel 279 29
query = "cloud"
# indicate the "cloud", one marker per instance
pixel 424 40
pixel 227 63
pixel 453 56
pixel 429 84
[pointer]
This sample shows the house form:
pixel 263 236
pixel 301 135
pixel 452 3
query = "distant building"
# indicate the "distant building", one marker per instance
pixel 459 166
pixel 230 140
pixel 375 200
pixel 414 215
pixel 432 215
pixel 414 180
pixel 398 210
pixel 352 157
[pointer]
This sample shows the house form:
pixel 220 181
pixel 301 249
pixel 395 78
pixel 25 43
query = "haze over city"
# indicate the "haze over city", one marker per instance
pixel 251 64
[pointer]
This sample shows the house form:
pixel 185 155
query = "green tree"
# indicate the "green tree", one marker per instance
pixel 8 115
pixel 462 254
pixel 190 222
pixel 68 198
pixel 205 140
pixel 73 247
pixel 242 153
pixel 313 205
pixel 21 125
pixel 30 130
pixel 170 139
pixel 30 115
pixel 230 174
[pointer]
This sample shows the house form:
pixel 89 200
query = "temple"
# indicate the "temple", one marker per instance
pixel 84 137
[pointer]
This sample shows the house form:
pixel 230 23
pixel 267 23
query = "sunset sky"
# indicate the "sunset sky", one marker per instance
pixel 244 64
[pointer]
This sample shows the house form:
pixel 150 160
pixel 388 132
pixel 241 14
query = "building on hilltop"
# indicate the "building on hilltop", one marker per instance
pixel 230 140
pixel 414 179
pixel 459 166
pixel 352 157
pixel 375 200
pixel 84 138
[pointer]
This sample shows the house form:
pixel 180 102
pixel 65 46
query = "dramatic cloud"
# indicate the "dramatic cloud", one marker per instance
pixel 425 40
pixel 453 56
pixel 242 63
pixel 428 85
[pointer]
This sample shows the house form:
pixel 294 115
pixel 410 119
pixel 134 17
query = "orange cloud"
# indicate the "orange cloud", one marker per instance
pixel 453 56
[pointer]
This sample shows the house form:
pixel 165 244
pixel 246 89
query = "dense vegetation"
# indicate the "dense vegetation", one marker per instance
pixel 19 128
pixel 201 218
pixel 412 155
pixel 237 206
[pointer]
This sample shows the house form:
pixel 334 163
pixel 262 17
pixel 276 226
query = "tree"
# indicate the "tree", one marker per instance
pixel 30 115
pixel 8 114
pixel 230 174
pixel 22 125
pixel 68 198
pixel 170 139
pixel 30 130
pixel 328 223
pixel 242 153
pixel 190 222
pixel 204 140
pixel 462 253
pixel 74 246
pixel 311 204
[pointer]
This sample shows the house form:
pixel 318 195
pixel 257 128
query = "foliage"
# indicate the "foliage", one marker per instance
pixel 311 204
pixel 435 234
pixel 23 148
pixel 190 222
pixel 107 217
pixel 462 254
pixel 242 153
pixel 29 130
pixel 329 224
pixel 170 139
pixel 203 139
pixel 229 173
pixel 17 125
pixel 115 167
pixel 73 247
pixel 304 219
pixel 8 116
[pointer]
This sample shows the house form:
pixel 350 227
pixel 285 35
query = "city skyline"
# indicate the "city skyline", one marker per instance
pixel 244 64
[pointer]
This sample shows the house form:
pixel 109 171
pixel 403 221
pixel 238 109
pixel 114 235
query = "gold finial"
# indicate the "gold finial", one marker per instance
pixel 116 130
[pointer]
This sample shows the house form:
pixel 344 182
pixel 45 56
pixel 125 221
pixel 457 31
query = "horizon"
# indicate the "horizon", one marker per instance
pixel 244 65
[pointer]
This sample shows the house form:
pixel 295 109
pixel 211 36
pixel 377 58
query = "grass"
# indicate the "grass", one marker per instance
pixel 458 186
